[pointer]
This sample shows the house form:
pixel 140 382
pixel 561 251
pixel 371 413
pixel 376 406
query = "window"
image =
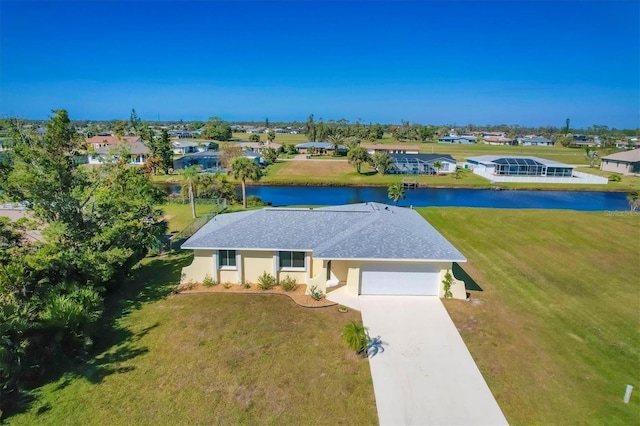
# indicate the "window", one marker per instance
pixel 291 259
pixel 227 258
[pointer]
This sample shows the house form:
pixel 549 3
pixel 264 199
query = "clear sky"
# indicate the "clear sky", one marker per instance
pixel 531 63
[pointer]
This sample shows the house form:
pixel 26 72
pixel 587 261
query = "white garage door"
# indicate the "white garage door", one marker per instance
pixel 390 279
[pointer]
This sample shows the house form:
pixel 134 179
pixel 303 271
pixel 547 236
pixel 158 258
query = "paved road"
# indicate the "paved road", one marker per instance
pixel 423 373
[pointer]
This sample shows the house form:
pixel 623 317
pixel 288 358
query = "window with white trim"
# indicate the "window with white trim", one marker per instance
pixel 226 258
pixel 291 259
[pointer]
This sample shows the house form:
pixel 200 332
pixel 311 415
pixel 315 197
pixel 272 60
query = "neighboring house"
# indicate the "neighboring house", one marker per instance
pixel 463 139
pixel 516 165
pixel 207 160
pixel 421 164
pixel 626 163
pixel 109 140
pixel 499 140
pixel 391 149
pixel 319 147
pixel 258 146
pixel 137 150
pixel 180 134
pixel 535 141
pixel 372 248
pixel 631 143
pixel 182 147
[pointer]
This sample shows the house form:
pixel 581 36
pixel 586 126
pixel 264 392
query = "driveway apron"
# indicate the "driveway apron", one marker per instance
pixel 422 372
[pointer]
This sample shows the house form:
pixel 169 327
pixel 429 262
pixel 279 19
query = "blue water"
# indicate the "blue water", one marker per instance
pixel 423 197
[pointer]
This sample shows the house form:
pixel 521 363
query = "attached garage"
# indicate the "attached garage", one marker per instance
pixel 400 279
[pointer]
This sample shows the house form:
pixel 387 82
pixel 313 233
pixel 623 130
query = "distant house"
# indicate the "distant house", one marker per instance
pixel 137 151
pixel 207 161
pixel 631 143
pixel 109 140
pixel 184 147
pixel 463 139
pixel 499 140
pixel 391 148
pixel 180 134
pixel 319 147
pixel 258 146
pixel 421 164
pixel 517 165
pixel 626 163
pixel 535 141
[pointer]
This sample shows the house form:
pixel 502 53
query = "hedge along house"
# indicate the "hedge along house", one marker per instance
pixel 371 248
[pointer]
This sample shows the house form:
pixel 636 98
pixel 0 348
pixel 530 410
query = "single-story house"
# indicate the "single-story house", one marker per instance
pixel 391 148
pixel 137 150
pixel 372 248
pixel 499 140
pixel 182 147
pixel 518 165
pixel 535 141
pixel 258 146
pixel 421 164
pixel 180 134
pixel 626 163
pixel 319 147
pixel 463 139
pixel 109 140
pixel 209 161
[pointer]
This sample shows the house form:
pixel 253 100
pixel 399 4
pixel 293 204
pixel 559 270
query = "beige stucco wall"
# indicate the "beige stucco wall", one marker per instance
pixel 202 265
pixel 615 167
pixel 228 276
pixel 255 263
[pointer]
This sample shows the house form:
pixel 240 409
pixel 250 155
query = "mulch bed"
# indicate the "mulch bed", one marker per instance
pixel 296 295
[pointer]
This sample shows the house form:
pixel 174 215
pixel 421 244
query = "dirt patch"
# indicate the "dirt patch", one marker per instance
pixel 298 295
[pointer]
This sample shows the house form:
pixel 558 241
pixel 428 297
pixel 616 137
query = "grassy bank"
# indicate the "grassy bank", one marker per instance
pixel 555 329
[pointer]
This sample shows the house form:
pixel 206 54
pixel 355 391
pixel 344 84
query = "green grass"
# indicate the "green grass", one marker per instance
pixel 210 359
pixel 555 329
pixel 180 214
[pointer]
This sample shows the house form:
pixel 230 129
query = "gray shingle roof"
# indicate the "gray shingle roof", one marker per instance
pixel 625 156
pixel 355 231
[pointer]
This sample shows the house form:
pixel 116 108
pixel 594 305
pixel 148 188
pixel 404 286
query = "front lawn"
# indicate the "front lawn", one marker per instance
pixel 211 359
pixel 555 330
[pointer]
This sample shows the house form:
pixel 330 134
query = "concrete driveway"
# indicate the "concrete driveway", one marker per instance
pixel 423 373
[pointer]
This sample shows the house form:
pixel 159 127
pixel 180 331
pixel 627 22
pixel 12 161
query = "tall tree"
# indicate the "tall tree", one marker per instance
pixel 135 120
pixel 254 137
pixel 336 140
pixel 271 136
pixel 270 155
pixel 244 168
pixel 310 129
pixel 358 156
pixel 163 151
pixel 190 180
pixel 591 155
pixel 217 129
pixel 396 192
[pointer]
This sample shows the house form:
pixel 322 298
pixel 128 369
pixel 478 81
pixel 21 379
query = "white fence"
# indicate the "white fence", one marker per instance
pixel 578 177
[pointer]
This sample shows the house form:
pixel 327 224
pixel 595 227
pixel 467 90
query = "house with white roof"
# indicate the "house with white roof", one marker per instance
pixel 371 248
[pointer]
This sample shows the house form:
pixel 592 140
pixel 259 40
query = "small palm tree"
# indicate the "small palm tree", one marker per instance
pixel 396 192
pixel 336 140
pixel 356 336
pixel 381 161
pixel 634 200
pixel 244 168
pixel 357 156
pixel 592 156
pixel 190 179
pixel 254 137
pixel 437 165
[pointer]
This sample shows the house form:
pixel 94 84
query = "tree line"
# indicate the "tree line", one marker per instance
pixel 94 226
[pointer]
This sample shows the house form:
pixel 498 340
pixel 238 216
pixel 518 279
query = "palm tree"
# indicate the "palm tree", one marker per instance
pixel 634 200
pixel 592 156
pixel 254 137
pixel 396 192
pixel 336 140
pixel 358 155
pixel 381 161
pixel 356 336
pixel 437 165
pixel 244 168
pixel 190 179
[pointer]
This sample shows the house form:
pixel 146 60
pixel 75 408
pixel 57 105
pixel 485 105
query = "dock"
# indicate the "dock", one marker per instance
pixel 409 183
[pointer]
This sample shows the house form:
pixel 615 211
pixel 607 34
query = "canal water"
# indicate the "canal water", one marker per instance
pixel 441 197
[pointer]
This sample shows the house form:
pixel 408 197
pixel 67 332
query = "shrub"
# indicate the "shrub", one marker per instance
pixel 227 284
pixel 356 336
pixel 315 294
pixel 446 283
pixel 246 284
pixel 615 178
pixel 189 285
pixel 208 281
pixel 266 281
pixel 289 284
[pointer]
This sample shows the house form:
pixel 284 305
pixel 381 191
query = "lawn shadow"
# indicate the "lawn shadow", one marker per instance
pixel 461 274
pixel 114 344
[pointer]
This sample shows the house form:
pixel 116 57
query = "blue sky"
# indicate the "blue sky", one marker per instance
pixel 515 62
